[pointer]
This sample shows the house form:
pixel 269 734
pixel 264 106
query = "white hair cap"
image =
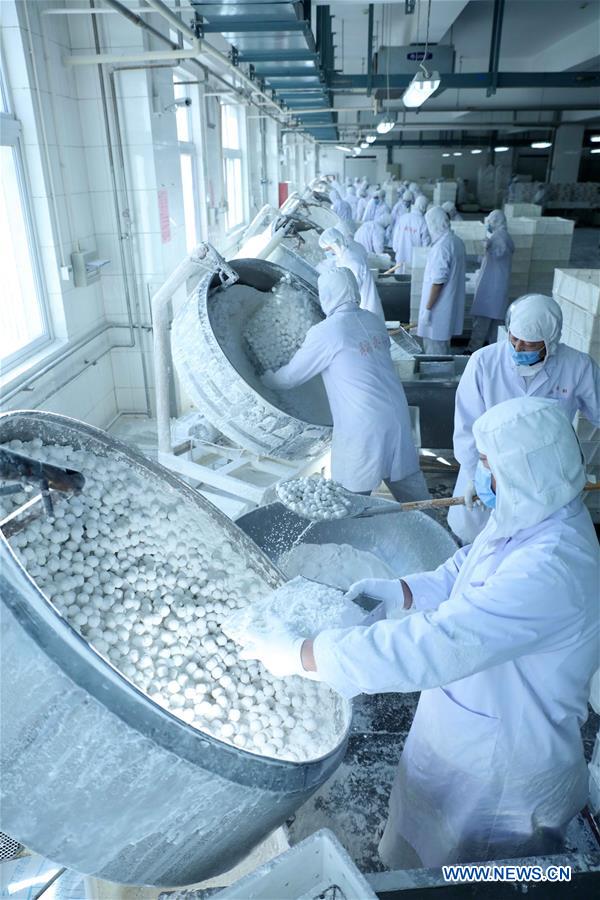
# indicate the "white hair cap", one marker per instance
pixel 437 222
pixel 536 317
pixel 495 220
pixel 407 196
pixel 333 237
pixel 449 207
pixel 336 288
pixel 421 203
pixel 535 457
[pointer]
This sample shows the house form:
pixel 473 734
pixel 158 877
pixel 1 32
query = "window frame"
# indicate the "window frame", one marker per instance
pixel 234 154
pixel 188 148
pixel 10 136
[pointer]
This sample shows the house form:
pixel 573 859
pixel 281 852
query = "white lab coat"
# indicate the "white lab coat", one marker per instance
pixel 410 231
pixel 369 295
pixel 375 209
pixel 360 208
pixel 399 209
pixel 570 377
pixel 352 201
pixel 343 210
pixel 372 236
pixel 503 644
pixel 445 265
pixel 372 436
pixel 491 293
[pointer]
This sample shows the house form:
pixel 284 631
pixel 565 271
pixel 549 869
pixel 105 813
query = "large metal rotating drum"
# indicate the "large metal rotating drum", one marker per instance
pixel 97 776
pixel 221 379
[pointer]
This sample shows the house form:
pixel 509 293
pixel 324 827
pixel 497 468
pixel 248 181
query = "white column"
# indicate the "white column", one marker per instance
pixel 566 153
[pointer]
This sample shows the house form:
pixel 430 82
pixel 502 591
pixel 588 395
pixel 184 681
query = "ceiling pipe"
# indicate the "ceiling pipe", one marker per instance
pixel 214 54
pixel 134 18
pixel 495 42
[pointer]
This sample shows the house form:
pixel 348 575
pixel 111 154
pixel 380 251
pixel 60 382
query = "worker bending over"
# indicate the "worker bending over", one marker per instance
pixel 442 309
pixel 502 642
pixel 531 363
pixel 356 260
pixel 372 435
pixel 491 294
pixel 451 211
pixel 371 234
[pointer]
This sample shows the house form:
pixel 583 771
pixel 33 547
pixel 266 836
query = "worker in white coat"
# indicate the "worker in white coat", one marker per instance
pixel 339 206
pixel 410 231
pixel 363 199
pixel 401 207
pixel 376 207
pixel 352 201
pixel 531 363
pixel 491 294
pixel 502 641
pixel 451 211
pixel 371 234
pixel 333 240
pixel 372 435
pixel 442 308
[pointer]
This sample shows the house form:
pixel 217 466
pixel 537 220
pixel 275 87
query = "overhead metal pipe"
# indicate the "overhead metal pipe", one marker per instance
pixel 370 50
pixel 134 18
pixel 495 42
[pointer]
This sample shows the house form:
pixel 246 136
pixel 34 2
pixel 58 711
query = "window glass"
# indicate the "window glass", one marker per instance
pixel 189 205
pixel 234 189
pixel 230 127
pixel 22 319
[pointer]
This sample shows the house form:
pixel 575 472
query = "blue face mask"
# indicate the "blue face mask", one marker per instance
pixel 483 486
pixel 525 357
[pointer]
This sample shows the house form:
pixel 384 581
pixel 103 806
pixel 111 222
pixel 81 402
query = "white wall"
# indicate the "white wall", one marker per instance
pixel 332 161
pixel 419 163
pixel 102 382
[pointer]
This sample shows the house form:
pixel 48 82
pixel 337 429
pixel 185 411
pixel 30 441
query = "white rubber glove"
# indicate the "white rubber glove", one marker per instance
pixel 469 495
pixel 388 591
pixel 278 651
pixel 427 316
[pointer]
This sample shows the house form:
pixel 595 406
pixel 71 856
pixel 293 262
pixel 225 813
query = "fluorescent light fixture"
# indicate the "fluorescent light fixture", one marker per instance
pixel 421 88
pixel 595 139
pixel 595 150
pixel 476 151
pixel 356 150
pixel 343 149
pixel 364 145
pixel 371 138
pixel 445 154
pixel 541 145
pixel 457 153
pixel 501 149
pixel 385 124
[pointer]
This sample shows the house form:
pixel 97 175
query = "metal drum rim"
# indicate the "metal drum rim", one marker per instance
pixel 94 674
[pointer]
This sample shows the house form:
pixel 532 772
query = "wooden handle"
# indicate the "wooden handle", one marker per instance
pixel 392 270
pixel 445 502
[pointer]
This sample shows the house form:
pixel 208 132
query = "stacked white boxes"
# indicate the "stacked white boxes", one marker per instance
pixel 444 191
pixel 472 234
pixel 514 210
pixel 551 248
pixel 419 259
pixel 577 291
pixel 522 231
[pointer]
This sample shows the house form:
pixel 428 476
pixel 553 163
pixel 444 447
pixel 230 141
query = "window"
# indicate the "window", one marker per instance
pixel 24 325
pixel 187 159
pixel 231 139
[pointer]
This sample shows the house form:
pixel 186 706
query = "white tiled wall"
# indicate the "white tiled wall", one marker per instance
pixel 104 382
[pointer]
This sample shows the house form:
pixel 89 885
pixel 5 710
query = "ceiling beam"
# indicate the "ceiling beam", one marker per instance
pixel 467 80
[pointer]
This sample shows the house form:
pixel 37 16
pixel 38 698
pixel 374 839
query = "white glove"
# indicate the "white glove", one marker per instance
pixel 388 591
pixel 469 495
pixel 279 652
pixel 427 316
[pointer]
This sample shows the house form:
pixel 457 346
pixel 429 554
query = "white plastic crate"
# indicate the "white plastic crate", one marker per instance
pixel 580 287
pixel 472 234
pixel 305 872
pixel 512 210
pixel 444 191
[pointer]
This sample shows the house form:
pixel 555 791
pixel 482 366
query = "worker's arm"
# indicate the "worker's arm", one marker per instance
pixel 425 236
pixel 434 295
pixel 528 606
pixel 314 355
pixel 469 405
pixel 378 239
pixel 588 392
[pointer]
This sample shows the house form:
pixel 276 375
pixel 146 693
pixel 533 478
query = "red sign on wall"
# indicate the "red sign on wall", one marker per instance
pixel 163 213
